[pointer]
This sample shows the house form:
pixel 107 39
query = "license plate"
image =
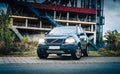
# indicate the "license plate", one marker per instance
pixel 54 47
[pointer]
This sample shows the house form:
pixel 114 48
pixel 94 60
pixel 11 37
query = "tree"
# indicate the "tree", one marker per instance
pixel 5 32
pixel 113 40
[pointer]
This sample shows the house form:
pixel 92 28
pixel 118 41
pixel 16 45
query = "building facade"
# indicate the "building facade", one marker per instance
pixel 31 18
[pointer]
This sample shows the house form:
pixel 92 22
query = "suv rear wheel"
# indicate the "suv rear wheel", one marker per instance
pixel 77 55
pixel 85 53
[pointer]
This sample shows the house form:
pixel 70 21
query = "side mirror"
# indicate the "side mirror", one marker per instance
pixel 46 33
pixel 81 33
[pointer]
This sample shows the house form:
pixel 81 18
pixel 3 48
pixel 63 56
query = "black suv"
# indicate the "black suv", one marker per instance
pixel 64 40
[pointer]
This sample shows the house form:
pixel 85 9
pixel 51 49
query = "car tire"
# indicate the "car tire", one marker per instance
pixel 85 53
pixel 77 54
pixel 42 55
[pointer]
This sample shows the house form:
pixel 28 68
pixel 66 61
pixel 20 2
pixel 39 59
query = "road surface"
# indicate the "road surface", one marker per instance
pixel 64 65
pixel 94 68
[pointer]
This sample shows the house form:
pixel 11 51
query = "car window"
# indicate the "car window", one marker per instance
pixel 80 30
pixel 64 30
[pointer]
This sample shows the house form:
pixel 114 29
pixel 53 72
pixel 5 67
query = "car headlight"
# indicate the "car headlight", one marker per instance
pixel 70 41
pixel 41 41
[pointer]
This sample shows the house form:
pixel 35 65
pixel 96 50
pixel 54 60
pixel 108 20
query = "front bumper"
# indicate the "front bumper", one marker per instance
pixel 62 49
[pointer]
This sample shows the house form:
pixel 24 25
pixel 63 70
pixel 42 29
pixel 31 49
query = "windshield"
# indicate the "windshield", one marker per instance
pixel 64 30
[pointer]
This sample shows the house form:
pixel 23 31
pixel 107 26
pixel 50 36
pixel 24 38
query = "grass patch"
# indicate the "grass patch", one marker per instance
pixel 25 53
pixel 19 49
pixel 94 53
pixel 32 52
pixel 106 53
pixel 109 53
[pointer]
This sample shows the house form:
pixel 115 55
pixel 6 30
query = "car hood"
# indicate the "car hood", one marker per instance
pixel 57 36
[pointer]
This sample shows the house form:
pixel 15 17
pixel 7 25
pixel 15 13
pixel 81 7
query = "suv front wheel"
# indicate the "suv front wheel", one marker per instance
pixel 42 55
pixel 77 55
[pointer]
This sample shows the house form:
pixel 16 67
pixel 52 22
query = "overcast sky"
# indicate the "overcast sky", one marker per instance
pixel 2 6
pixel 112 15
pixel 111 12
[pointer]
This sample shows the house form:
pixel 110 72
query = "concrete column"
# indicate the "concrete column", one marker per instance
pixel 90 4
pixel 77 18
pixel 80 25
pixel 11 22
pixel 92 28
pixel 67 24
pixel 54 14
pixel 60 15
pixel 26 23
pixel 67 15
pixel 40 24
pixel 95 37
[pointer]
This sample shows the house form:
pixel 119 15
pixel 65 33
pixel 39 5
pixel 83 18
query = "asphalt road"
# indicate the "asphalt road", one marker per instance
pixel 59 65
pixel 54 68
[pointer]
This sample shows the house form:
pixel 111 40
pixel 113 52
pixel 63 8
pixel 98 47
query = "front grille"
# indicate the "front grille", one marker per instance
pixel 54 41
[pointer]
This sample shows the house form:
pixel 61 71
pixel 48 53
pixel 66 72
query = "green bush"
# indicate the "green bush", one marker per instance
pixel 18 47
pixel 113 40
pixel 5 33
pixel 109 53
pixel 24 40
